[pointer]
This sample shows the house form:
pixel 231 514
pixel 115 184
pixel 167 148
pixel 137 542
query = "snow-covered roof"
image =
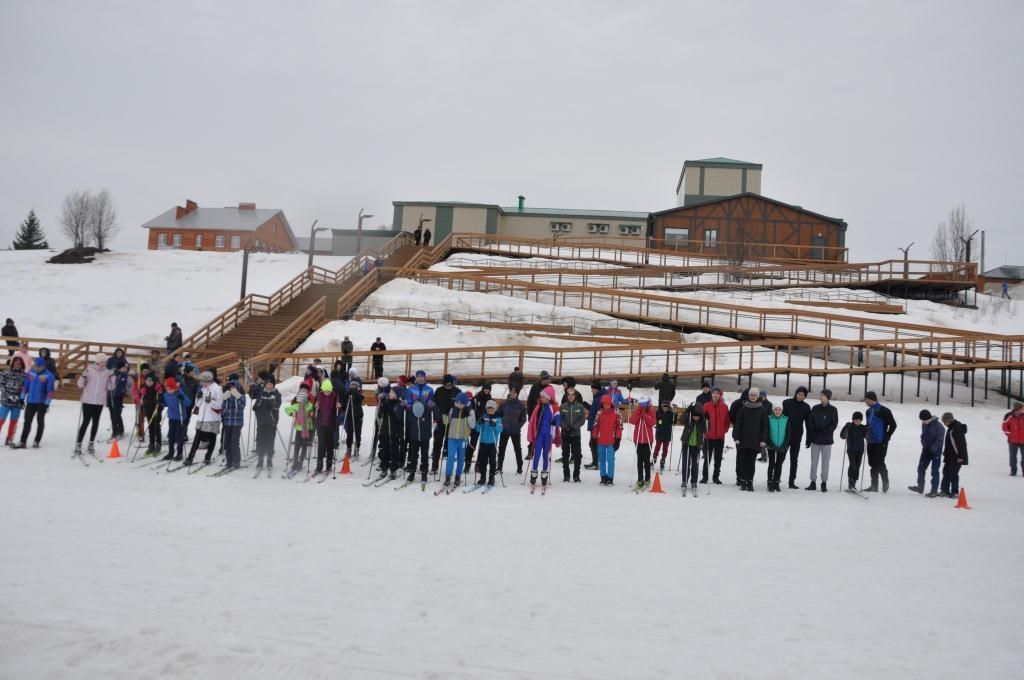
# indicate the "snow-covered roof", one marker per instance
pixel 1007 271
pixel 227 219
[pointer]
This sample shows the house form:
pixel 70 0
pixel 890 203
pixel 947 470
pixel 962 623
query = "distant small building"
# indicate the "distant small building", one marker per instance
pixel 221 229
pixel 993 279
pixel 709 179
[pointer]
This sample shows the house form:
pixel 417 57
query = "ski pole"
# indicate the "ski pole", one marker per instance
pixel 77 428
pixel 842 468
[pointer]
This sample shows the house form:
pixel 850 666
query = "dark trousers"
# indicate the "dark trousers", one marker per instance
pixel 517 446
pixel 853 473
pixel 325 447
pixel 643 463
pixel 90 415
pixel 37 411
pixel 346 364
pixel 440 445
pixel 876 458
pixel 418 451
pixel 474 437
pixel 233 445
pixel 378 368
pixel 392 453
pixel 572 452
pixel 690 463
pixel 209 438
pixel 794 457
pixel 746 459
pixel 713 449
pixel 156 439
pixel 593 449
pixel 301 451
pixel 488 458
pixel 951 478
pixel 661 446
pixel 928 459
pixel 175 439
pixel 116 406
pixel 265 433
pixel 353 430
pixel 776 458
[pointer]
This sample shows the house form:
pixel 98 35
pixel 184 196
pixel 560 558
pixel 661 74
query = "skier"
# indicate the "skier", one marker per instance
pixel 489 428
pixel 350 407
pixel 515 380
pixel 513 417
pixel 616 395
pixel 326 426
pixel 444 398
pixel 954 455
pixel 378 359
pixel 12 384
pixel 1013 428
pixel 693 441
pixel 642 420
pixel 606 430
pixel 779 433
pixel 208 406
pixel 346 353
pixel 301 410
pixel 266 408
pixel 542 431
pixel 663 435
pixel 750 430
pixel 10 331
pixel 716 412
pixel 177 404
pixel 573 416
pixel 854 432
pixel 392 433
pixel 189 384
pixel 881 425
pixel 596 392
pixel 932 435
pixel 95 384
pixel 419 421
pixel 120 385
pixel 460 422
pixel 151 408
pixel 796 409
pixel 117 360
pixel 821 426
pixel 233 421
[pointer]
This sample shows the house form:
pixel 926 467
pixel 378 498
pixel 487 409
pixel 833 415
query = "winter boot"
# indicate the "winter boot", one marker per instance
pixel 792 484
pixel 448 480
pixel 749 485
pixel 169 456
pixel 824 487
pixel 78 449
pixel 932 494
pixel 591 466
pixel 393 475
pixel 35 445
pixel 684 489
pixel 874 483
pixel 565 477
pixel 916 489
pixel 458 480
pixel 716 480
pixel 693 487
pixel 92 447
pixel 851 485
pixel 259 463
pixel 178 457
pixel 812 487
pixel 885 481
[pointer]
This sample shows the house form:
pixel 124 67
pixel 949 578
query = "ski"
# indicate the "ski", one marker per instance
pixel 858 494
pixel 259 471
pixel 173 469
pixel 151 462
pixel 311 476
pixel 408 482
pixel 80 459
pixel 98 459
pixel 384 482
pixel 223 471
pixel 452 489
pixel 475 487
pixel 488 489
pixel 290 474
pixel 324 478
pixel 373 482
pixel 192 469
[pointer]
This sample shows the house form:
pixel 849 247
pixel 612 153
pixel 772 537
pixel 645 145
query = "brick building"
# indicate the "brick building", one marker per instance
pixel 221 229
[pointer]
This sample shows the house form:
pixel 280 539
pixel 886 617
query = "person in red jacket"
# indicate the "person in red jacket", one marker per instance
pixel 607 430
pixel 716 413
pixel 642 421
pixel 1013 426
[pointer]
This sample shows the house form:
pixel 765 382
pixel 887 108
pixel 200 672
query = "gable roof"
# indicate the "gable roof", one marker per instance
pixel 716 162
pixel 225 219
pixel 758 197
pixel 1007 271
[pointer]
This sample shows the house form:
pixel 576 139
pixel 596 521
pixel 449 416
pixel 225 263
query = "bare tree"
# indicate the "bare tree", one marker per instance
pixel 950 241
pixel 75 216
pixel 102 219
pixel 739 248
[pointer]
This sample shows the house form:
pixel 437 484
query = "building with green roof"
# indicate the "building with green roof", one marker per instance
pixel 709 179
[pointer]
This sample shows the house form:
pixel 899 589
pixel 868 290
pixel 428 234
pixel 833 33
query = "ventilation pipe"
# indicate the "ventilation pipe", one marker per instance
pixel 522 202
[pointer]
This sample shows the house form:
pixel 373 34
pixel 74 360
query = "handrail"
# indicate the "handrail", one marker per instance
pixel 290 334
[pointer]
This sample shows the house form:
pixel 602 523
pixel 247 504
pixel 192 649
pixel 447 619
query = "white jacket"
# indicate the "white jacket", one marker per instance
pixel 209 403
pixel 95 383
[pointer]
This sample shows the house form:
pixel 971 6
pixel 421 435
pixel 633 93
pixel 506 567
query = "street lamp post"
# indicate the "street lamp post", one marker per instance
pixel 313 229
pixel 906 259
pixel 359 230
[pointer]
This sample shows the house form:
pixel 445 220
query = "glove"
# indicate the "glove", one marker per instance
pixel 808 445
pixel 208 399
pixel 235 393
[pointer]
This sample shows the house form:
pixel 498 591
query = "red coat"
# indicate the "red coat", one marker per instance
pixel 642 421
pixel 1014 429
pixel 607 426
pixel 718 419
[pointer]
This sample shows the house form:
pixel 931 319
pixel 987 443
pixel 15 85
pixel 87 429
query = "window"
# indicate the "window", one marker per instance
pixel 219 241
pixel 199 241
pixel 561 226
pixel 629 229
pixel 596 228
pixel 680 236
pixel 236 242
pixel 273 227
pixel 177 240
pixel 161 240
pixel 710 238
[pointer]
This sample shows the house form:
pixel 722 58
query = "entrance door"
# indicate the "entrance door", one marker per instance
pixel 818 245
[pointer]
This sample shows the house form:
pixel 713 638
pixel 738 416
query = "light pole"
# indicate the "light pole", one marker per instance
pixel 313 229
pixel 906 259
pixel 359 230
pixel 967 245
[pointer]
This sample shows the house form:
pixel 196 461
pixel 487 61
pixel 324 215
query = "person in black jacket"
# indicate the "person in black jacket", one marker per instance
pixel 734 410
pixel 515 380
pixel 173 338
pixel 378 359
pixel 750 431
pixel 480 400
pixel 854 433
pixel 534 396
pixel 821 427
pixel 346 354
pixel 444 400
pixel 266 408
pixel 705 394
pixel 666 418
pixel 954 455
pixel 666 390
pixel 10 331
pixel 796 410
pixel 350 408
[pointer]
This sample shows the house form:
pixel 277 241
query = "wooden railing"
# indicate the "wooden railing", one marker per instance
pixel 293 333
pixel 356 293
pixel 74 356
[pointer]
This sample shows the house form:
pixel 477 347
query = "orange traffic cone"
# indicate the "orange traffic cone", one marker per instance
pixel 656 487
pixel 345 469
pixel 115 450
pixel 961 502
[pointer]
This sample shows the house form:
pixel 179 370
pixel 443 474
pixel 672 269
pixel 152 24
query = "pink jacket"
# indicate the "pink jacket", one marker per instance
pixel 95 384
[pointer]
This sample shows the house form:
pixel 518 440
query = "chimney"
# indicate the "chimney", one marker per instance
pixel 522 201
pixel 246 206
pixel 190 205
pixel 179 212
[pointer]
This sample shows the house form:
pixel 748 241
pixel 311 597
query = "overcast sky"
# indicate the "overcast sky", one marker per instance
pixel 884 114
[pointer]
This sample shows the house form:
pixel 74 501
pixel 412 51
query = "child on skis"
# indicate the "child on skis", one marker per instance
pixel 573 414
pixel 694 430
pixel 855 434
pixel 266 408
pixel 488 428
pixel 461 421
pixel 392 433
pixel 233 419
pixel 120 385
pixel 95 384
pixel 326 425
pixel 209 404
pixel 666 418
pixel 513 417
pixel 301 411
pixel 351 407
pixel 642 420
pixel 607 430
pixel 779 435
pixel 150 396
pixel 543 431
pixel 480 400
pixel 419 427
pixel 12 384
pixel 178 405
pixel 36 394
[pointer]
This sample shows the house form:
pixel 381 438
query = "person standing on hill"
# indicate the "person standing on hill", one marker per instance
pixel 266 408
pixel 208 406
pixel 716 413
pixel 535 390
pixel 821 426
pixel 177 404
pixel 444 399
pixel 642 419
pixel 173 339
pixel 606 430
pixel 750 431
pixel 346 354
pixel 854 432
pixel 378 359
pixel 705 394
pixel 796 410
pixel 12 401
pixel 513 417
pixel 515 380
pixel 693 441
pixel 37 394
pixel 10 331
pixel 542 432
pixel 666 389
pixel 932 435
pixel 881 425
pixel 573 416
pixel 954 454
pixel 779 433
pixel 95 384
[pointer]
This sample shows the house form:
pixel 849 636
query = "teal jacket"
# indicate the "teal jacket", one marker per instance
pixel 778 431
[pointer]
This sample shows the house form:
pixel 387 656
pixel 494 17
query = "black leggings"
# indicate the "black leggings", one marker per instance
pixel 37 411
pixel 90 414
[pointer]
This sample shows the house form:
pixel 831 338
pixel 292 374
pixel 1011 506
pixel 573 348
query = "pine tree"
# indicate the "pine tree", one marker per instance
pixel 30 235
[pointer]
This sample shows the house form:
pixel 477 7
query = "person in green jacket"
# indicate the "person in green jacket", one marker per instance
pixel 301 409
pixel 778 444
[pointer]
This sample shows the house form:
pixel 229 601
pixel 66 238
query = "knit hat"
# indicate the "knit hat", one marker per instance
pixel 171 384
pixel 569 381
pixel 606 400
pixel 947 417
pixel 925 414
pixel 857 415
pixel 644 401
pixel 269 379
pixel 462 399
pixel 548 392
pixel 544 374
pixel 705 385
pixel 449 379
pixel 485 386
pixel 716 389
pixel 232 377
pixel 383 383
pixel 402 380
pixel 40 362
pixel 1017 405
pixel 327 386
pixel 827 393
pixel 206 376
pixel 100 358
pixel 596 385
pixel 697 409
pixel 801 389
pixel 762 394
pixel 870 395
pixel 421 373
pixel 491 404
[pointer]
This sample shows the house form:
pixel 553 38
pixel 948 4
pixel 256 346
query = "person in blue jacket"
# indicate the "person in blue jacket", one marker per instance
pixel 38 392
pixel 177 405
pixel 596 392
pixel 932 436
pixel 121 385
pixel 489 426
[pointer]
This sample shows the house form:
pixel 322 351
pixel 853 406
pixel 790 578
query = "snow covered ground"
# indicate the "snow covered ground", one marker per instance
pixel 116 572
pixel 133 296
